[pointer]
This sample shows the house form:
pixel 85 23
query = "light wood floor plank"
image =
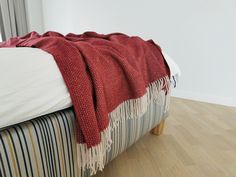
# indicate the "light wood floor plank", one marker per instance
pixel 199 140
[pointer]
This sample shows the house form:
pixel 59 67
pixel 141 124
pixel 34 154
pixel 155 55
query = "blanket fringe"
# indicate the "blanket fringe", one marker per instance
pixel 94 158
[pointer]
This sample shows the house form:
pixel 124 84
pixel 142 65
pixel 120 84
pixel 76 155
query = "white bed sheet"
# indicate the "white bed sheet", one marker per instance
pixel 32 85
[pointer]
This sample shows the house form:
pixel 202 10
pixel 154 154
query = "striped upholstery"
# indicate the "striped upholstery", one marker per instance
pixel 46 146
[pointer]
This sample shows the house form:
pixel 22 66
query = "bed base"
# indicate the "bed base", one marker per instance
pixel 48 143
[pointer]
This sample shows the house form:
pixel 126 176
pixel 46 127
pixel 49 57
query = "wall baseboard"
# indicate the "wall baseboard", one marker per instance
pixel 226 101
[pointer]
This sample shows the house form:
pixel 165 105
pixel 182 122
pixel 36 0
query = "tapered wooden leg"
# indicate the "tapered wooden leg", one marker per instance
pixel 158 130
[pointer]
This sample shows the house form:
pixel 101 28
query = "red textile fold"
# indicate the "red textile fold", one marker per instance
pixel 100 71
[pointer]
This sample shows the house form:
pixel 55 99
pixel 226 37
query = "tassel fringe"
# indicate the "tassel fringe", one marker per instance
pixel 94 158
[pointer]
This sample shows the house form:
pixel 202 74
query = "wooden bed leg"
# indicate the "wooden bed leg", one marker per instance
pixel 158 130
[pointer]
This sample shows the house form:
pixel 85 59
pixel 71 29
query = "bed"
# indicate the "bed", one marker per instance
pixel 37 120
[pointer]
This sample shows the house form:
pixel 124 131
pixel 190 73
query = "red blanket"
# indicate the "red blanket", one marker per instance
pixel 102 72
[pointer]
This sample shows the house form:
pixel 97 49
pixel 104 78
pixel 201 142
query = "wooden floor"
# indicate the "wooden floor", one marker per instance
pixel 199 140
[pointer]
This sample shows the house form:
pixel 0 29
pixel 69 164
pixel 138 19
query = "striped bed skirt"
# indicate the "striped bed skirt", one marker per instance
pixel 46 146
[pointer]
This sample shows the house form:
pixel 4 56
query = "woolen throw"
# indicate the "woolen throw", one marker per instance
pixel 109 78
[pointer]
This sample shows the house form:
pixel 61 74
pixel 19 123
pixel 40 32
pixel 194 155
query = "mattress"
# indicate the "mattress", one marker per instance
pixel 32 85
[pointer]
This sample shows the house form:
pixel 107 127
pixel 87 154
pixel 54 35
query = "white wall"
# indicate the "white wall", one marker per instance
pixel 57 15
pixel 35 16
pixel 199 34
